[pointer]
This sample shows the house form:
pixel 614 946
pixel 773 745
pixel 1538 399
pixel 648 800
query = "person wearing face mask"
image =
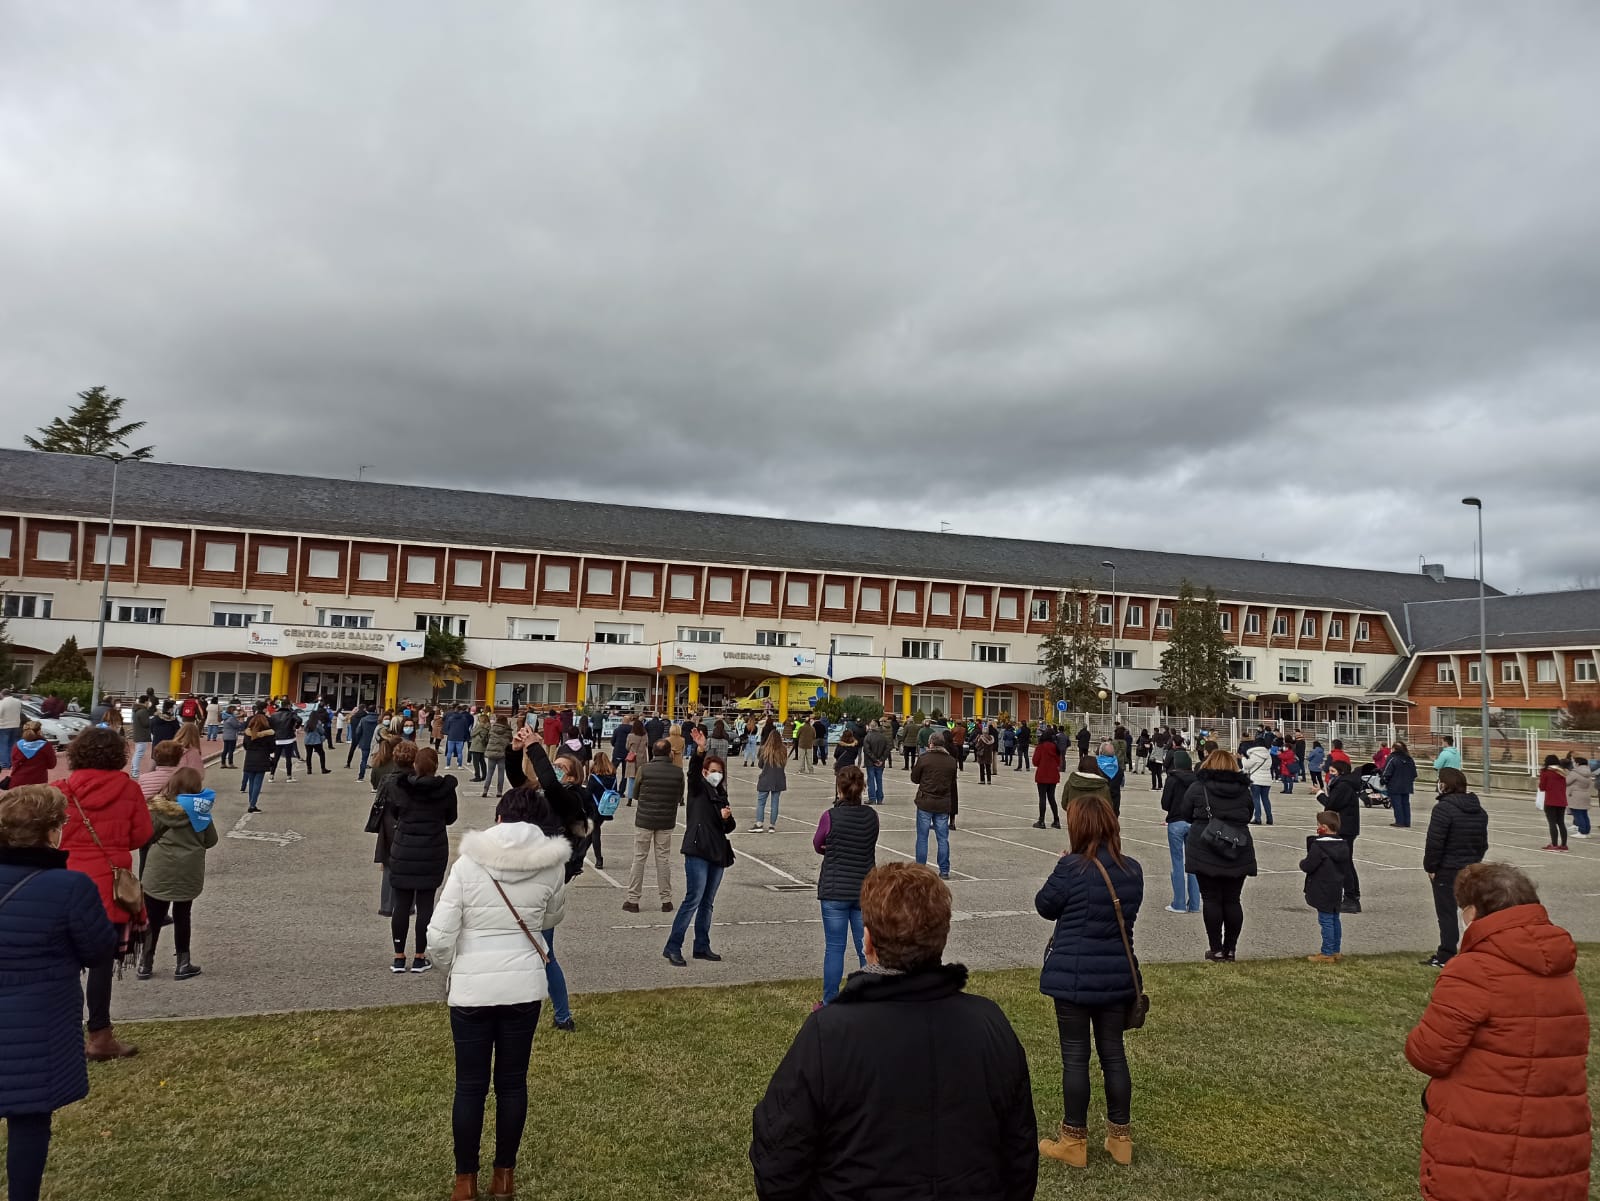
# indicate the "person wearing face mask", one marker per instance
pixel 1458 837
pixel 707 853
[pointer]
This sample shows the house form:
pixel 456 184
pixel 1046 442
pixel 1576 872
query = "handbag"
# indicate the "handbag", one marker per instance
pixel 1139 1007
pixel 126 891
pixel 1226 838
pixel 375 816
pixel 544 956
pixel 1538 800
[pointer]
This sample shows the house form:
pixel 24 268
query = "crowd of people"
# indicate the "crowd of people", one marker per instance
pixel 138 796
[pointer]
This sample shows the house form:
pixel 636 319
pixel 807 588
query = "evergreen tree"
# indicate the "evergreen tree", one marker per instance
pixel 8 665
pixel 92 428
pixel 1194 667
pixel 442 653
pixel 66 666
pixel 1070 654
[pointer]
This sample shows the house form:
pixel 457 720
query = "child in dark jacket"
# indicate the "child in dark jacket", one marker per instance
pixel 1327 859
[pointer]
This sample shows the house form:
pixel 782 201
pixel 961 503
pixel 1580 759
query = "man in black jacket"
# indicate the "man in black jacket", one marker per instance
pixel 1458 836
pixel 904 1086
pixel 1344 798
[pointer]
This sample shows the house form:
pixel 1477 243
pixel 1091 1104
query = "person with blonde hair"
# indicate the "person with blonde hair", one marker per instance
pixel 52 927
pixel 773 780
pixel 188 737
pixel 1219 851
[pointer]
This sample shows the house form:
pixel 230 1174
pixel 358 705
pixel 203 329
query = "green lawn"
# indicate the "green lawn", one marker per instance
pixel 1264 1080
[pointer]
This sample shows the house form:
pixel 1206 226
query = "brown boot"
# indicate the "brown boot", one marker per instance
pixel 1071 1146
pixel 102 1045
pixel 504 1185
pixel 1119 1141
pixel 466 1187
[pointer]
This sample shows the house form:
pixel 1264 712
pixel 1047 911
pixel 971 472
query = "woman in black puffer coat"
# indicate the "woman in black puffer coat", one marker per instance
pixel 423 808
pixel 1220 796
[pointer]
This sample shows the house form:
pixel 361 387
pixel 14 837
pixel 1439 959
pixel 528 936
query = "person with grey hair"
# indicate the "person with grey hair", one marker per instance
pixel 1110 765
pixel 937 799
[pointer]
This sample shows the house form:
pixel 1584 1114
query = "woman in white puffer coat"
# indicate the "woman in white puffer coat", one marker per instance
pixel 507 885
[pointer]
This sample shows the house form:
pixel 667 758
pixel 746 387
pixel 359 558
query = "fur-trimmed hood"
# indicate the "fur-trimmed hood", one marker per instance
pixel 512 850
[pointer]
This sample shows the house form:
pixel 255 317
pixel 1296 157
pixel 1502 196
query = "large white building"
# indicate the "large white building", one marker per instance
pixel 244 583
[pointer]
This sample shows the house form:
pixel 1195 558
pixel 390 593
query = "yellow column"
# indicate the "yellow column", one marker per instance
pixel 783 699
pixel 280 676
pixel 488 686
pixel 977 703
pixel 833 689
pixel 583 688
pixel 694 688
pixel 391 686
pixel 175 677
pixel 905 700
pixel 672 695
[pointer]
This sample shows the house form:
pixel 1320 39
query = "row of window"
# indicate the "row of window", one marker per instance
pixel 1298 671
pixel 1584 671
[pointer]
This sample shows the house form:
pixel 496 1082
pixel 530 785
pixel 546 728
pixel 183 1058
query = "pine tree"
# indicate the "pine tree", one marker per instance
pixel 1071 653
pixel 8 665
pixel 91 428
pixel 66 666
pixel 1194 667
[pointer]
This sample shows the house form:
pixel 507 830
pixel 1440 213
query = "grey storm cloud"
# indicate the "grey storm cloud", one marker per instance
pixel 1276 280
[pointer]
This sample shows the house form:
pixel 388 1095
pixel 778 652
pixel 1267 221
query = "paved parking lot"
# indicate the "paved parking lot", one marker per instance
pixel 289 916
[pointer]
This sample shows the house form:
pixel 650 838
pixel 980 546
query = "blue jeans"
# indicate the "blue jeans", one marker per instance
pixel 140 750
pixel 1580 820
pixel 761 805
pixel 874 785
pixel 1332 933
pixel 451 747
pixel 493 768
pixel 752 747
pixel 837 917
pixel 556 979
pixel 1400 806
pixel 212 732
pixel 941 829
pixel 1185 888
pixel 252 784
pixel 366 753
pixel 1262 795
pixel 1288 783
pixel 701 879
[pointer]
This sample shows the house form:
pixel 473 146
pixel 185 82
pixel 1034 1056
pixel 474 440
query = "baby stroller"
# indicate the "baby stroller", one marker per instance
pixel 1373 794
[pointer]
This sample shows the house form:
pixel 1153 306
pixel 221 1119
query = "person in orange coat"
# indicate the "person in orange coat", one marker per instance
pixel 1505 1039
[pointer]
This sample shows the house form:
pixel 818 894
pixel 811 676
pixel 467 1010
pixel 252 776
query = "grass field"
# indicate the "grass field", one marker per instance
pixel 1264 1080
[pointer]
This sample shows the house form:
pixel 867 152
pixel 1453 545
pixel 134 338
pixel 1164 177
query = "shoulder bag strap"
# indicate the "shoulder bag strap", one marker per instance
pixel 84 818
pixel 1122 928
pixel 13 890
pixel 537 946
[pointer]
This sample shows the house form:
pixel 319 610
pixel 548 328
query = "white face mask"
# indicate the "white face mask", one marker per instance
pixel 713 778
pixel 411 729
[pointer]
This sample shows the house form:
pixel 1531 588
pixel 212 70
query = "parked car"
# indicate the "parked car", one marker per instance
pixel 53 728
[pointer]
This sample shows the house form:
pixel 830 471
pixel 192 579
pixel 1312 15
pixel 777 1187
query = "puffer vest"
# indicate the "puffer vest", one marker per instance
pixel 851 854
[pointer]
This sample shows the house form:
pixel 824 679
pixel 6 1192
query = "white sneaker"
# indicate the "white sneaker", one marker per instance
pixel 1175 909
pixel 771 826
pixel 756 829
pixel 1578 834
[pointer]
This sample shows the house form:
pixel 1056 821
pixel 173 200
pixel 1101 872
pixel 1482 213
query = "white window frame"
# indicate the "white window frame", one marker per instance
pixel 1444 672
pixel 266 556
pixel 920 648
pixel 1363 631
pixel 642 585
pixel 24 605
pixel 615 633
pixel 600 581
pixel 1039 609
pixel 680 585
pixel 345 619
pixel 759 591
pixel 1225 621
pixel 774 638
pixel 1006 608
pixel 1124 659
pixel 5 543
pixel 939 603
pixel 798 594
pixel 1356 671
pixel 833 596
pixel 1474 671
pixel 1133 616
pixel 321 557
pixel 859 645
pixel 169 551
pixel 719 590
pixel 372 567
pixel 422 569
pixel 513 576
pixel 533 629
pixel 1163 618
pixel 1544 672
pixel 974 607
pixel 699 634
pixel 1247 669
pixel 1335 629
pixel 1102 614
pixel 1289 668
pixel 905 600
pixel 557 577
pixel 1308 626
pixel 52 546
pixel 1510 672
pixel 466 573
pixel 127 609
pixel 213 556
pixel 1280 626
pixel 449 623
pixel 991 652
pixel 1252 623
pixel 1584 671
pixel 870 599
pixel 119 550
pixel 247 615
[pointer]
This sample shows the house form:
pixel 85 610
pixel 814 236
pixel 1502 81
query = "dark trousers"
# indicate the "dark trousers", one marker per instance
pixel 476 759
pixel 404 900
pixel 350 755
pixel 315 748
pixel 985 771
pixel 228 748
pixel 1047 795
pixel 97 990
pixel 1155 777
pixel 27 1148
pixel 1022 758
pixel 182 912
pixel 493 1045
pixel 1444 907
pixel 1352 881
pixel 594 841
pixel 909 755
pixel 1556 819
pixel 1074 1023
pixel 285 755
pixel 1222 910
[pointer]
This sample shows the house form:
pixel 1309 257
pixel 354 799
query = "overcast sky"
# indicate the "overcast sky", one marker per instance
pixel 1282 279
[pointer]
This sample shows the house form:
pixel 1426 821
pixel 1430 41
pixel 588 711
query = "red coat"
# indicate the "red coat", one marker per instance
pixel 1046 763
pixel 1506 1040
pixel 116 807
pixel 552 731
pixel 35 770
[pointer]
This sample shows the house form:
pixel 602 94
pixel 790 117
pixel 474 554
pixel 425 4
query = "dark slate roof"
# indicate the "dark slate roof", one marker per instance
pixel 1531 620
pixel 78 486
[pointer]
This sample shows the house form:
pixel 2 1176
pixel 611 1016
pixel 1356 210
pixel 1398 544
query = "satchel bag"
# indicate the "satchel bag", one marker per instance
pixel 126 891
pixel 375 816
pixel 1139 1007
pixel 544 956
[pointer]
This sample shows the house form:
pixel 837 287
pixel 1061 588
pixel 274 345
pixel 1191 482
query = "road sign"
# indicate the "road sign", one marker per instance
pixel 1061 706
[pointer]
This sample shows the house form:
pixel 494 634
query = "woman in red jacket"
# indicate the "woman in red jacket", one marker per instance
pixel 32 757
pixel 1505 1039
pixel 1553 783
pixel 101 796
pixel 1047 774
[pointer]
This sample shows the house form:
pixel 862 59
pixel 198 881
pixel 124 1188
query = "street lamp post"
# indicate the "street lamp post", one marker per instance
pixel 105 581
pixel 1113 566
pixel 1483 647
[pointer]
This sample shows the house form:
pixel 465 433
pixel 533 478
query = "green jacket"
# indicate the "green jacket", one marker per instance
pixel 480 737
pixel 176 867
pixel 498 741
pixel 658 795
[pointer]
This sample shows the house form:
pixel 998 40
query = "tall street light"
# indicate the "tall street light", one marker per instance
pixel 1483 645
pixel 105 578
pixel 1113 566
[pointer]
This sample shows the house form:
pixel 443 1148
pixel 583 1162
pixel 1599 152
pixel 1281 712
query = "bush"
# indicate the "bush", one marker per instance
pixel 66 664
pixel 862 708
pixel 81 690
